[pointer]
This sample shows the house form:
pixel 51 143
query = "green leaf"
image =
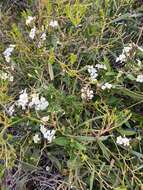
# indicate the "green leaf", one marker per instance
pixel 104 138
pixel 92 178
pixel 137 117
pixel 139 155
pixel 121 188
pixel 51 56
pixel 73 58
pixel 79 146
pixel 127 16
pixel 107 63
pixel 75 12
pixel 125 91
pixel 127 132
pixel 104 149
pixel 51 73
pixel 110 74
pixel 84 138
pixel 62 141
pixel 123 120
pixel 131 77
pixel 16 32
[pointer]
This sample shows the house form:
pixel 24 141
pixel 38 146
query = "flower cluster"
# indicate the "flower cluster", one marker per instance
pixel 107 86
pixel 36 138
pixel 10 111
pixel 6 76
pixel 39 103
pixel 42 39
pixel 53 23
pixel 139 78
pixel 7 53
pixel 32 33
pixel 47 134
pixel 93 72
pixel 123 141
pixel 125 53
pixel 23 99
pixel 29 20
pixel 86 93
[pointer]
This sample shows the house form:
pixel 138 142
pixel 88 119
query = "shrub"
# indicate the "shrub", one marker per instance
pixel 71 96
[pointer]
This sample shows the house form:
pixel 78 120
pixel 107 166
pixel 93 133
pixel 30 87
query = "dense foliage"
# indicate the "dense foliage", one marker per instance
pixel 71 100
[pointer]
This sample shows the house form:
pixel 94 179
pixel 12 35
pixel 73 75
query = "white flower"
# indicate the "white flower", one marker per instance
pixel 45 119
pixel 23 99
pixel 92 71
pixel 32 33
pixel 125 53
pixel 29 20
pixel 47 168
pixel 7 58
pixel 101 66
pixel 42 104
pixel 121 58
pixel 126 50
pixel 9 50
pixel 7 53
pixel 106 86
pixel 38 103
pixel 123 141
pixel 53 23
pixel 43 36
pixel 139 78
pixel 43 129
pixel 42 39
pixel 48 134
pixel 10 111
pixel 6 76
pixel 36 138
pixel 35 100
pixel 86 93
